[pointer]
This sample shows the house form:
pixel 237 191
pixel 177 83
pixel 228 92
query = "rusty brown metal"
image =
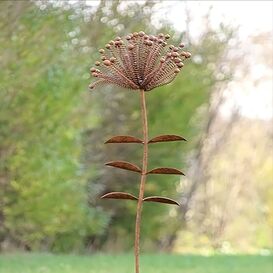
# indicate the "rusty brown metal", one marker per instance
pixel 165 171
pixel 124 165
pixel 123 139
pixel 119 195
pixel 165 138
pixel 160 199
pixel 140 62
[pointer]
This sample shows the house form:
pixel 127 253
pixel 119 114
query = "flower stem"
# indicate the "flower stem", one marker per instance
pixel 143 177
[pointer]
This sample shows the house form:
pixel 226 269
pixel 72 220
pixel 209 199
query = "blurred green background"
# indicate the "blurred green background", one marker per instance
pixel 52 131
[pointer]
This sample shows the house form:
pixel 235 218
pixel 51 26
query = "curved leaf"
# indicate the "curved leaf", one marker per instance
pixel 165 171
pixel 160 199
pixel 124 165
pixel 119 195
pixel 123 139
pixel 165 138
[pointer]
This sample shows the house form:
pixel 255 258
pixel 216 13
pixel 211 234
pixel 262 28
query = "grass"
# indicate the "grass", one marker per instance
pixel 47 263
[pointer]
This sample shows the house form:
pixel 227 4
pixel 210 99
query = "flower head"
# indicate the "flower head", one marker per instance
pixel 139 61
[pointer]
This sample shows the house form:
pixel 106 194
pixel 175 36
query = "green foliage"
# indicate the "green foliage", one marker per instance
pixel 45 202
pixel 52 130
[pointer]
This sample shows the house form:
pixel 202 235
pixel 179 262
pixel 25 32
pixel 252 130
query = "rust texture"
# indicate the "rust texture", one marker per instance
pixel 124 165
pixel 165 171
pixel 160 199
pixel 119 195
pixel 166 138
pixel 123 139
pixel 143 177
pixel 140 62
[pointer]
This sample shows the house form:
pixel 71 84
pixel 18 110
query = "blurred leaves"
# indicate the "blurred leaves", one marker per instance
pixel 52 130
pixel 41 121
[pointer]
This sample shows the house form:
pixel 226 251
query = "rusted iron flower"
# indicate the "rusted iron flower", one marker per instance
pixel 139 61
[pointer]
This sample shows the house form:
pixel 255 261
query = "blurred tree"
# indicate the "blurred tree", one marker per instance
pixel 232 210
pixel 228 198
pixel 52 130
pixel 44 48
pixel 44 200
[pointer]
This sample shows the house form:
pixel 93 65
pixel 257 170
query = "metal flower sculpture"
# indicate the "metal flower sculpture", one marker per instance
pixel 140 62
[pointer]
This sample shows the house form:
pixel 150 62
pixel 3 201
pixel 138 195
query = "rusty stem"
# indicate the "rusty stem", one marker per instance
pixel 143 177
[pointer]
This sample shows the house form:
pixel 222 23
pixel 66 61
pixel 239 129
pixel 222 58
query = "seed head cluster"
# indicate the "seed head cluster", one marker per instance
pixel 139 61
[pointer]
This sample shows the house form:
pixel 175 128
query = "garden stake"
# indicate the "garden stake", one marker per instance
pixel 140 62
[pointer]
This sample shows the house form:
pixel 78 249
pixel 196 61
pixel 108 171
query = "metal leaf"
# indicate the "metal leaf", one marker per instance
pixel 164 138
pixel 160 199
pixel 124 139
pixel 165 171
pixel 124 165
pixel 119 195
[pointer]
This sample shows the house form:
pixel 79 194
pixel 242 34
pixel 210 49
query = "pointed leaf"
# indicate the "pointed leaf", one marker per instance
pixel 124 139
pixel 119 195
pixel 165 171
pixel 124 165
pixel 160 199
pixel 164 138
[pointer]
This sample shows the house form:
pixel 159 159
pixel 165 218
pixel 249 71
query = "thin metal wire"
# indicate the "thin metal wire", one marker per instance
pixel 139 61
